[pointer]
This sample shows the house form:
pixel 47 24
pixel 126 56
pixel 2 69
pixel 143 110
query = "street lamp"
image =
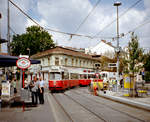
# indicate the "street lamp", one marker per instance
pixel 29 51
pixel 117 49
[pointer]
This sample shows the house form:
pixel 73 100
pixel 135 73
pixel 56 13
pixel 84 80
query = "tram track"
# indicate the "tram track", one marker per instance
pixel 71 120
pixel 105 107
pixel 55 96
pixel 97 115
pixel 98 102
pixel 82 100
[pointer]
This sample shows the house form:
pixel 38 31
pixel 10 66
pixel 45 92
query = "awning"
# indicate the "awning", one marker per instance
pixel 6 61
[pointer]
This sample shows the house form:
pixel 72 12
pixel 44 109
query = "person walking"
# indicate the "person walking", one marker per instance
pixel 34 89
pixel 41 90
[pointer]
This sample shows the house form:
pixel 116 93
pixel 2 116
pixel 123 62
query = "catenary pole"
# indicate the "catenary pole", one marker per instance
pixel 117 4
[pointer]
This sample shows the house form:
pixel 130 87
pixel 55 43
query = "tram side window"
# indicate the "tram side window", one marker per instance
pixel 65 75
pixel 74 76
pixel 55 76
pixel 83 76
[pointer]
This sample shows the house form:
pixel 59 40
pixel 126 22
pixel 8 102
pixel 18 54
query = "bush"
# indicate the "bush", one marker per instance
pixel 147 77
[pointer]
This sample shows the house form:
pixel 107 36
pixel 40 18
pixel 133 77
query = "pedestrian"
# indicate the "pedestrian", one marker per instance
pixel 121 83
pixel 41 90
pixel 14 84
pixel 26 83
pixel 110 85
pixel 34 90
pixel 114 82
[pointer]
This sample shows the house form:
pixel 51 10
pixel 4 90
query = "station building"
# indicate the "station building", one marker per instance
pixel 63 63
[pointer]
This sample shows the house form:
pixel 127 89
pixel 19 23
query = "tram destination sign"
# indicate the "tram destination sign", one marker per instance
pixel 112 64
pixel 23 63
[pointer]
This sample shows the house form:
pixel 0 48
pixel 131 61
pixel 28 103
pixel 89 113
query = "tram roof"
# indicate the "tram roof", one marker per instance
pixel 64 51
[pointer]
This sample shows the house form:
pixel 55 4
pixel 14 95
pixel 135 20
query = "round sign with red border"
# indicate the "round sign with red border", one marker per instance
pixel 23 63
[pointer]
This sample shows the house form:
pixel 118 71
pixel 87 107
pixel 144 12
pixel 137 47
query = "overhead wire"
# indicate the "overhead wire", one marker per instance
pixel 137 27
pixel 118 18
pixel 49 29
pixel 94 7
pixel 12 31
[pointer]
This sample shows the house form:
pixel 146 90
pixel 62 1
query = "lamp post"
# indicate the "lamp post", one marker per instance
pixel 0 24
pixel 117 4
pixel 29 51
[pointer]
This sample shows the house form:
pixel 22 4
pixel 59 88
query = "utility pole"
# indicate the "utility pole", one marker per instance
pixel 0 32
pixel 118 48
pixel 8 26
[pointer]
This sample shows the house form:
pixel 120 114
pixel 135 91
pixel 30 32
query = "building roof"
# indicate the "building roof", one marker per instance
pixel 64 51
pixel 102 48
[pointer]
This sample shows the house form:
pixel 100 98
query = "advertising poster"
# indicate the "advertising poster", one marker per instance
pixel 5 89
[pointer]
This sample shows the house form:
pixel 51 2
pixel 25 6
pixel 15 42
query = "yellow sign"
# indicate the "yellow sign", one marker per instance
pixel 128 82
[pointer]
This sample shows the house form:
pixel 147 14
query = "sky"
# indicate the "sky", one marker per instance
pixel 67 15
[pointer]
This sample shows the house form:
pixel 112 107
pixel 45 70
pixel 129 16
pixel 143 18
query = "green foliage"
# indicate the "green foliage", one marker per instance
pixel 147 77
pixel 147 62
pixel 35 39
pixel 135 54
pixel 147 67
pixel 124 63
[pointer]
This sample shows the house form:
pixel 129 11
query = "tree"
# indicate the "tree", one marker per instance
pixel 134 58
pixel 147 67
pixel 35 39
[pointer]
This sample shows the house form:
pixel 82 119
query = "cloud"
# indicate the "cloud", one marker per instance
pixel 66 15
pixel 17 19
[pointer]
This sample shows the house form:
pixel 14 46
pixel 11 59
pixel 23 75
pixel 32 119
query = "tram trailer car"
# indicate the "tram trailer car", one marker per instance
pixel 84 82
pixel 60 85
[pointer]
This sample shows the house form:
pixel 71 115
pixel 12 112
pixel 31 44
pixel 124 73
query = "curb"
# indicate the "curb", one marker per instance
pixel 126 101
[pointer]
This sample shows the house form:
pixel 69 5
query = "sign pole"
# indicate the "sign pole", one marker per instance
pixel 23 78
pixel 23 63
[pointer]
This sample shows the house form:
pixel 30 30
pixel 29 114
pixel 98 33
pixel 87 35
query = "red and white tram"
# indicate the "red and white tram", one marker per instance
pixel 64 80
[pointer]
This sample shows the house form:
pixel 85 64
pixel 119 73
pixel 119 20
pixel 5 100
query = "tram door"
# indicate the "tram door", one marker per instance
pixel 46 77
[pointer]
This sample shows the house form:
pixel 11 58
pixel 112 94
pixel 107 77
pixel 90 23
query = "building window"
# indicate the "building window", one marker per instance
pixel 48 61
pixel 76 62
pixel 62 61
pixel 83 63
pixel 80 63
pixel 66 61
pixel 56 61
pixel 72 62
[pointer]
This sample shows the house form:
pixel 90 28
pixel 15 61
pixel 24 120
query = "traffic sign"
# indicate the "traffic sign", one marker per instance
pixel 112 64
pixel 23 63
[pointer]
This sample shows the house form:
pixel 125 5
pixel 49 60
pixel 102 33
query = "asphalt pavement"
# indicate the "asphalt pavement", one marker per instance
pixel 41 113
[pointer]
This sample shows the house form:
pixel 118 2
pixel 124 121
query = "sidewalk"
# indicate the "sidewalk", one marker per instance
pixel 139 102
pixel 41 113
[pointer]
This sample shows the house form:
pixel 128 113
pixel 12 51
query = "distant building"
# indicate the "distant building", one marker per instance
pixel 102 48
pixel 63 63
